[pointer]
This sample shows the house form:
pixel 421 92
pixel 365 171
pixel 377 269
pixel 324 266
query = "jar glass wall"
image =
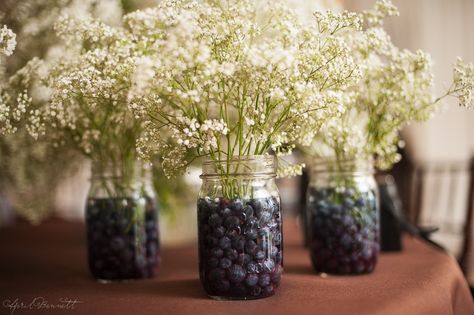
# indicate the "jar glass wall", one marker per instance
pixel 343 217
pixel 122 227
pixel 240 228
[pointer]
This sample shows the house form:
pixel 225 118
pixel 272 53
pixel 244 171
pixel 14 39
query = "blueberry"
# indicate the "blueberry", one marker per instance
pixel 238 243
pixel 335 209
pixel 203 203
pixel 216 274
pixel 257 205
pixel 251 279
pixel 215 220
pixel 242 216
pixel 233 232
pixel 358 267
pixel 213 205
pixel 264 233
pixel 212 241
pixel 110 231
pixel 117 243
pixel 346 240
pixel 360 202
pixel 250 233
pixel 251 222
pixel 140 261
pixel 238 289
pixel 213 262
pixel 225 263
pixel 237 205
pixel 347 220
pixel 226 212
pixel 367 252
pixel 268 290
pixel 255 290
pixel 236 274
pixel 243 259
pixel 277 238
pixel 232 222
pixel 248 210
pixel 252 267
pixel 348 203
pixel 260 255
pixel 232 254
pixel 250 247
pixel 224 203
pixel 126 255
pixel 151 249
pixel 264 280
pixel 358 237
pixel 274 251
pixel 268 265
pixel 276 275
pixel 265 217
pixel 221 286
pixel 321 204
pixel 217 252
pixel 225 242
pixel 219 232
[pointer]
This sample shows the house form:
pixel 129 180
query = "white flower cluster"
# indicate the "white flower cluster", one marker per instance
pixel 237 78
pixel 31 167
pixel 189 78
pixel 89 95
pixel 16 104
pixel 7 41
pixel 81 98
pixel 463 83
pixel 395 89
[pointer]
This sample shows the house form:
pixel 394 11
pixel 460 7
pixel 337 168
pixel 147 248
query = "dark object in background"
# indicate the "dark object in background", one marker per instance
pixel 392 213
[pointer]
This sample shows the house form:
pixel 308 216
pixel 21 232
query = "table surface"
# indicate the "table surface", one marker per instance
pixel 47 263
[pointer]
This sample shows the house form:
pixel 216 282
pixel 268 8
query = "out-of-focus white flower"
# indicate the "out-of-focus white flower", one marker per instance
pixel 7 41
pixel 463 83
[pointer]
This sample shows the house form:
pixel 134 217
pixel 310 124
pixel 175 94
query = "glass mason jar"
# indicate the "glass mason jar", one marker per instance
pixel 343 217
pixel 122 227
pixel 240 228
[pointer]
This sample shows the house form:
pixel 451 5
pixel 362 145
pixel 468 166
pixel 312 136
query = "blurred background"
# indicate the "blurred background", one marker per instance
pixel 435 179
pixel 435 176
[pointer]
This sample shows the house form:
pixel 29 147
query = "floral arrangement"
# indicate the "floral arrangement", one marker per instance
pixel 29 166
pixel 190 79
pixel 242 80
pixel 395 89
pixel 234 79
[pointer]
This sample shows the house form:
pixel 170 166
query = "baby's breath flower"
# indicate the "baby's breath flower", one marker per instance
pixel 463 83
pixel 239 78
pixel 395 88
pixel 381 10
pixel 7 41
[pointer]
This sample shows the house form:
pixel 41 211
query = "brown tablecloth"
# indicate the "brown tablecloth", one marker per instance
pixel 47 263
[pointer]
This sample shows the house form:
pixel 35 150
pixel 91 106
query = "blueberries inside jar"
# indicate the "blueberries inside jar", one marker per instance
pixel 344 230
pixel 122 238
pixel 240 247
